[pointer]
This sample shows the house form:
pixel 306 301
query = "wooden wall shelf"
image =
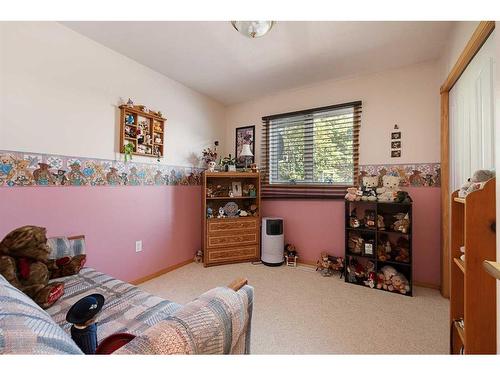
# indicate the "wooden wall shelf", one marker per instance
pixel 472 289
pixel 144 130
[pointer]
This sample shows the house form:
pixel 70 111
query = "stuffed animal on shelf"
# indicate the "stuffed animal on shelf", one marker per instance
pixel 402 223
pixel 380 222
pixel 23 256
pixel 370 219
pixel 221 213
pixel 355 243
pixel 352 195
pixel 198 257
pixel 476 182
pixel 388 272
pixel 388 192
pixel 403 250
pixel 400 283
pixel 355 271
pixel 403 197
pixel 382 254
pixel 371 280
pixel 380 280
pixel 253 210
pixel 369 186
pixel 354 221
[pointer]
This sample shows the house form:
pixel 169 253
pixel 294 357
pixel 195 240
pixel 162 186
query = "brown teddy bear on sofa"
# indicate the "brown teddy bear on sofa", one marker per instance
pixel 23 256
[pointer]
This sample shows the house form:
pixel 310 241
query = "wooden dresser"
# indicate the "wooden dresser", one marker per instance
pixel 230 239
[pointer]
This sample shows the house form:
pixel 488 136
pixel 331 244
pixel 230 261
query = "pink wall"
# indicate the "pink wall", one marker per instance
pixel 318 225
pixel 166 218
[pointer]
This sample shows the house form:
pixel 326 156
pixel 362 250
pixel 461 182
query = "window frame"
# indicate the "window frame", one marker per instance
pixel 307 190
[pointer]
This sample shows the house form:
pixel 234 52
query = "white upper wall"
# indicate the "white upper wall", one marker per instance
pixel 458 37
pixel 407 96
pixel 59 93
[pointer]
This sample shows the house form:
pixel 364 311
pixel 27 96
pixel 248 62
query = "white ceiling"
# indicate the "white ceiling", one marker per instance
pixel 214 59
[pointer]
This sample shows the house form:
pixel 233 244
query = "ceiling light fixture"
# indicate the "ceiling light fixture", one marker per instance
pixel 253 29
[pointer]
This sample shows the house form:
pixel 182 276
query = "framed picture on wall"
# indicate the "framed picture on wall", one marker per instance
pixel 244 135
pixel 396 144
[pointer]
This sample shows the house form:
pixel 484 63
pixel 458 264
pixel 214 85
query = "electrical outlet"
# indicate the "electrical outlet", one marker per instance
pixel 138 246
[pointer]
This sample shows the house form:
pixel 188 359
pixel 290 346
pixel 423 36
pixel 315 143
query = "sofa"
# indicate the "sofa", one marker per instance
pixel 217 322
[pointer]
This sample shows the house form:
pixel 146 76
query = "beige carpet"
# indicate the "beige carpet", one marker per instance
pixel 297 311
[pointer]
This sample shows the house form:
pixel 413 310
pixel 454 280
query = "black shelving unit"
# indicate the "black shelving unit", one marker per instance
pixel 387 210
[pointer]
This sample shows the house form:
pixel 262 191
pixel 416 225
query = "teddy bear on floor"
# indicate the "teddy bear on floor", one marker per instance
pixel 23 257
pixel 388 192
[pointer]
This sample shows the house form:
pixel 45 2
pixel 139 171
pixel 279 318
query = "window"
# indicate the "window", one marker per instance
pixel 311 153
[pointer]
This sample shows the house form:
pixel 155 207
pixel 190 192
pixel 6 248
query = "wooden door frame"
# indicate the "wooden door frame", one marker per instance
pixel 480 35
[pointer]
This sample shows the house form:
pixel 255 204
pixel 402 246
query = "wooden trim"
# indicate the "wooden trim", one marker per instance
pixel 78 237
pixel 426 285
pixel 238 284
pixel 478 38
pixel 480 35
pixel 160 272
pixel 445 196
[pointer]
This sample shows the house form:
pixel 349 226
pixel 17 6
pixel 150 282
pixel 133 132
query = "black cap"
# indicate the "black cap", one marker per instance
pixel 85 309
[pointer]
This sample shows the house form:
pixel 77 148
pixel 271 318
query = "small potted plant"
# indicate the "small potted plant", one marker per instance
pixel 228 163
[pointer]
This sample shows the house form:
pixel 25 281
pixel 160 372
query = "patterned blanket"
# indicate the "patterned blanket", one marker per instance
pixel 127 308
pixel 218 322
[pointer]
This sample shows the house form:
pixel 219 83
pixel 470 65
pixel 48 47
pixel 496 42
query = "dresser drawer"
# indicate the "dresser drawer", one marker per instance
pixel 221 240
pixel 236 253
pixel 232 225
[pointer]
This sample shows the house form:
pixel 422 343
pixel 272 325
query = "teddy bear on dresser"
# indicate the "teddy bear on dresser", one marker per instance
pixel 23 256
pixel 388 192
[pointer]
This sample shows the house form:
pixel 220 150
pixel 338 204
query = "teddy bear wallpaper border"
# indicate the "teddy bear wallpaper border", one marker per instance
pixel 19 169
pixel 410 175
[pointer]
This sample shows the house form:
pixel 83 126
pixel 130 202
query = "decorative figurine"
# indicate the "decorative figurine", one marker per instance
pixel 221 213
pixel 323 265
pixel 231 194
pixel 83 315
pixel 380 222
pixel 211 166
pixel 129 120
pixel 210 213
pixel 130 103
pixel 253 167
pixel 198 257
pixel 402 223
pixel 231 209
pixel 354 222
pixel 370 219
pixel 355 243
pixel 352 195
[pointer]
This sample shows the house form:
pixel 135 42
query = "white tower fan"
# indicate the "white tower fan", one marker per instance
pixel 273 241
